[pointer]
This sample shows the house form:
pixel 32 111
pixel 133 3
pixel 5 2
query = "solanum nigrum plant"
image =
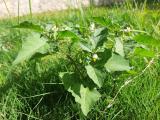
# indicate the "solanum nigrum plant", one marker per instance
pixel 106 48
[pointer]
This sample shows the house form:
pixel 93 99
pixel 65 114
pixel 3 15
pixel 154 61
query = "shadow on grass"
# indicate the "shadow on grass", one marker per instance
pixel 41 94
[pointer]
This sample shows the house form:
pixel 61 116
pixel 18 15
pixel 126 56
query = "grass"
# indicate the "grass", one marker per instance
pixel 28 92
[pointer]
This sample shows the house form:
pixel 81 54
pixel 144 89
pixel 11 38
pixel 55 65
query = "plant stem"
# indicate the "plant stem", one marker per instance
pixel 18 12
pixel 76 66
pixel 30 8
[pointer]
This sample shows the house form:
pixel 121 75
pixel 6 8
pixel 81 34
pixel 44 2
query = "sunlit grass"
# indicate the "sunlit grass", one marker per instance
pixel 139 100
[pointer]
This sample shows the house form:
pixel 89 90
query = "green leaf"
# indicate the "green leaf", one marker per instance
pixel 117 63
pixel 100 31
pixel 147 40
pixel 43 51
pixel 67 33
pixel 33 44
pixel 143 52
pixel 99 37
pixel 102 21
pixel 119 47
pixel 85 47
pixel 71 84
pixel 88 99
pixel 96 75
pixel 29 25
pixel 103 57
pixel 83 95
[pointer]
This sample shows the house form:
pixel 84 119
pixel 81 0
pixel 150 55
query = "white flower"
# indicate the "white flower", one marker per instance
pixel 128 29
pixel 95 57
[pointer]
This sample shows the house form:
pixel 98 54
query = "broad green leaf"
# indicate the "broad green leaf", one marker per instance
pixel 100 31
pixel 144 53
pixel 67 33
pixel 99 37
pixel 29 25
pixel 88 99
pixel 147 40
pixel 96 75
pixel 85 47
pixel 72 84
pixel 33 44
pixel 43 51
pixel 102 21
pixel 84 96
pixel 103 57
pixel 117 63
pixel 119 47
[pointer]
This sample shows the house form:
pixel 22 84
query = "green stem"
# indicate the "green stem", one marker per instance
pixel 30 8
pixel 18 12
pixel 75 65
